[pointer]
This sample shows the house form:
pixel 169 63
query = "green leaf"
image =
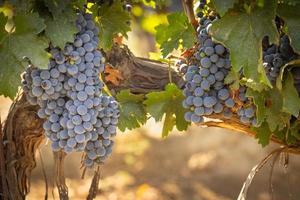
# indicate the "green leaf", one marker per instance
pixel 61 29
pixel 21 6
pixel 133 113
pixel 291 2
pixel 249 83
pixel 291 15
pixel 263 134
pixel 233 79
pixel 269 108
pixel 19 44
pixel 10 71
pixel 275 117
pixel 283 69
pixel 57 7
pixel 295 129
pixel 259 102
pixel 168 103
pixel 112 19
pixel 291 100
pixel 178 32
pixel 3 21
pixel 29 23
pixel 242 33
pixel 223 6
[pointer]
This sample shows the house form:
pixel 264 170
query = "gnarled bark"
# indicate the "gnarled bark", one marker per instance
pixel 140 75
pixel 22 136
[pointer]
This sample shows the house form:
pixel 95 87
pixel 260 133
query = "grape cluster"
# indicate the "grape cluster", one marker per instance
pixel 205 90
pixel 274 56
pixel 78 116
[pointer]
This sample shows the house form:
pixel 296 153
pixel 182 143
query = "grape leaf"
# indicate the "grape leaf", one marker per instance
pixel 177 32
pixel 168 103
pixel 263 134
pixel 232 79
pixel 259 102
pixel 242 33
pixel 112 19
pixel 57 7
pixel 269 107
pixel 291 15
pixel 61 29
pixel 291 101
pixel 133 113
pixel 14 46
pixel 20 6
pixel 223 6
pixel 275 117
pixel 3 21
pixel 295 129
pixel 283 69
pixel 291 2
pixel 29 23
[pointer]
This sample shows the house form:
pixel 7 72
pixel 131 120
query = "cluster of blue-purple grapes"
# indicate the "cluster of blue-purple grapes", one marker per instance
pixel 78 116
pixel 205 91
pixel 276 56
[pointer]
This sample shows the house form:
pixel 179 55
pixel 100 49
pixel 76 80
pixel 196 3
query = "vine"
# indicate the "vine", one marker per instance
pixel 244 55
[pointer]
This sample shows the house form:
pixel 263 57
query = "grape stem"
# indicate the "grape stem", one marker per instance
pixel 189 11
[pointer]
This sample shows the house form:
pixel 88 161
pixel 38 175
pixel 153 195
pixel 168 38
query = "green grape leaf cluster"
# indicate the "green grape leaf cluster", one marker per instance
pixel 168 104
pixel 132 110
pixel 177 33
pixel 60 27
pixel 18 42
pixel 222 6
pixel 112 20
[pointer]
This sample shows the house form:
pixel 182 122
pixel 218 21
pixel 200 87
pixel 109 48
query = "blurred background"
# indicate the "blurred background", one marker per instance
pixel 199 164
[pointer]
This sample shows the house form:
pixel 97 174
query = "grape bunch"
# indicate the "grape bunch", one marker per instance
pixel 275 57
pixel 78 115
pixel 205 90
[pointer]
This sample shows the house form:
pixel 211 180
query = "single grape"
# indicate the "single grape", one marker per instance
pixel 219 49
pixel 188 116
pixel 82 110
pixel 205 85
pixel 197 101
pixel 229 103
pixel 223 94
pixel 205 62
pixel 198 91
